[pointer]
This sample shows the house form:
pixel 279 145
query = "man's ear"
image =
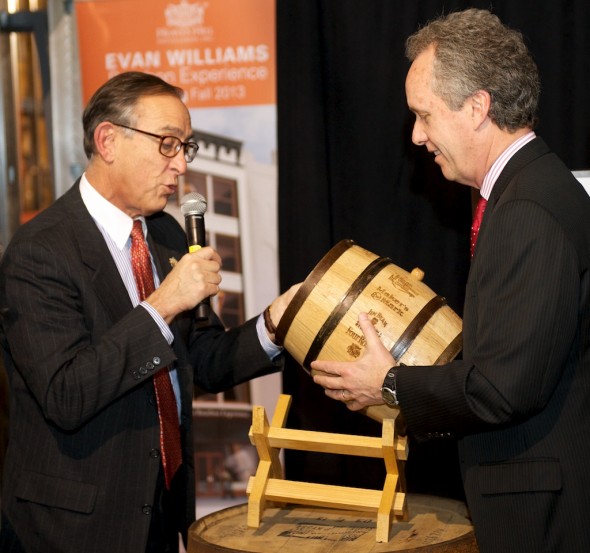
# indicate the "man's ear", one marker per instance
pixel 105 140
pixel 480 107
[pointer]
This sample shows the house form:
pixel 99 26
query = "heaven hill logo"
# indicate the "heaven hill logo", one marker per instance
pixel 185 14
pixel 185 22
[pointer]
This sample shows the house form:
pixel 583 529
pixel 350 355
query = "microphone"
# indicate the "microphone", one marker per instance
pixel 193 207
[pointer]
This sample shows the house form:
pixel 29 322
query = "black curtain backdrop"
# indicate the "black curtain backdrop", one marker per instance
pixel 348 169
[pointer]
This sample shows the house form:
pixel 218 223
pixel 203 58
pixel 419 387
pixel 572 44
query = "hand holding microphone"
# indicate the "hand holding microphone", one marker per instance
pixel 194 276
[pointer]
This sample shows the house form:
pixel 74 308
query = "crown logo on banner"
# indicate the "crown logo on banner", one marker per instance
pixel 185 14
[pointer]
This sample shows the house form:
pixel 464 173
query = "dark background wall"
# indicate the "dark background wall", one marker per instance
pixel 348 169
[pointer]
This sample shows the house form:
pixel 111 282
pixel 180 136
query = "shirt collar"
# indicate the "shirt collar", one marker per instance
pixel 492 175
pixel 115 222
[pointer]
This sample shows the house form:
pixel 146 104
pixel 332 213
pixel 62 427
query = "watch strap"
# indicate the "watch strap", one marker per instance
pixel 389 387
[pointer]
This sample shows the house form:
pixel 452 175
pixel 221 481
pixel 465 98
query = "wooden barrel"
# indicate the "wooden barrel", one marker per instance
pixel 413 322
pixel 433 525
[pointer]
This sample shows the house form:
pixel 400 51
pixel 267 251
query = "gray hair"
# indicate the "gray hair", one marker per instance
pixel 116 99
pixel 475 51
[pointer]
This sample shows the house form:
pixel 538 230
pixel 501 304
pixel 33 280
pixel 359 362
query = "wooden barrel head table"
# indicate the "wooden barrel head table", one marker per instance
pixel 434 525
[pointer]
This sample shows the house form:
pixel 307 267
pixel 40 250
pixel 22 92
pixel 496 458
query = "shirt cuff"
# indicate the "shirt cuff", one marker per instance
pixel 164 328
pixel 271 349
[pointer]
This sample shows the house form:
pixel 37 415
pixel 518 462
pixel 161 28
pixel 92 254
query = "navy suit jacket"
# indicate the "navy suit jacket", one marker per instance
pixel 520 397
pixel 83 459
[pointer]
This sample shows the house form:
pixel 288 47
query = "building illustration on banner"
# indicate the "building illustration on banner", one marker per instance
pixel 241 225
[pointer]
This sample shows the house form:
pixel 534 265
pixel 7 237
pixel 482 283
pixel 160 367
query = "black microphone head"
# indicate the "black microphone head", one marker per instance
pixel 193 204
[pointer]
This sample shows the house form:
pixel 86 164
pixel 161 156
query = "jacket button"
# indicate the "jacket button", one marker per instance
pixel 146 509
pixel 143 371
pixel 136 375
pixel 154 453
pixel 150 366
pixel 156 361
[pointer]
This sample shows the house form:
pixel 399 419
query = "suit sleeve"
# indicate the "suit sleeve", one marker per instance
pixel 73 357
pixel 224 359
pixel 520 320
pixel 219 358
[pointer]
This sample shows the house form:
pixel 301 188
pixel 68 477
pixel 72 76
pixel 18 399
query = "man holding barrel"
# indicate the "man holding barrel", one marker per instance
pixel 519 399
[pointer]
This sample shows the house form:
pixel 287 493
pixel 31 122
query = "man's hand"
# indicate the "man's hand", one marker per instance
pixel 278 306
pixel 357 383
pixel 195 277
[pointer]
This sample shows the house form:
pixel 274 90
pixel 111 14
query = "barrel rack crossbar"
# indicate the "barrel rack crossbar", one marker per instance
pixel 269 485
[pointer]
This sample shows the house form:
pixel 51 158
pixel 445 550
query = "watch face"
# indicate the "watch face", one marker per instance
pixel 388 396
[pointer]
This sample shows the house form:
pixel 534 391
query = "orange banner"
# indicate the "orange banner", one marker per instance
pixel 220 52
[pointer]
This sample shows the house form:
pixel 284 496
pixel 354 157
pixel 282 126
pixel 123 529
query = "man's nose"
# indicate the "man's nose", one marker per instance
pixel 179 162
pixel 419 137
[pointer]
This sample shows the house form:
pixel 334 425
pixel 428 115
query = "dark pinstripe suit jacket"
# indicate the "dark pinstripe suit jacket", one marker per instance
pixel 82 460
pixel 520 397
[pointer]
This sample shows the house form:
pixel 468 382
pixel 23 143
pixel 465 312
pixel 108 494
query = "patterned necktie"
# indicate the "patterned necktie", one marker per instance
pixel 481 207
pixel 167 409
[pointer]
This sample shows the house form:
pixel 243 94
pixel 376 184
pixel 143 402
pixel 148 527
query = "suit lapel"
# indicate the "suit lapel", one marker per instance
pixel 95 255
pixel 528 153
pixel 164 257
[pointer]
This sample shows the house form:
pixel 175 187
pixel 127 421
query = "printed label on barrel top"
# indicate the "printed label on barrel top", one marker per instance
pixel 435 524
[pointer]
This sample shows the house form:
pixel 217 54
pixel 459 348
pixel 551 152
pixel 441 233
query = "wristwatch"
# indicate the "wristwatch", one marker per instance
pixel 389 388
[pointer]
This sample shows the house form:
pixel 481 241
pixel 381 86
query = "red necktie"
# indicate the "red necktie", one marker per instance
pixel 481 207
pixel 167 409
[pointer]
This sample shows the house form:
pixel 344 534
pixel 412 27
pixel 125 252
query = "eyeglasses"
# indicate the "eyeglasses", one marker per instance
pixel 169 145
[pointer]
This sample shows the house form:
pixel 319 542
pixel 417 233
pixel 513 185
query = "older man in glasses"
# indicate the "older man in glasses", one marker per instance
pixel 101 344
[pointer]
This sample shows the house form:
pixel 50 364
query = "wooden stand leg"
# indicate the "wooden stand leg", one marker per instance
pixel 268 483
